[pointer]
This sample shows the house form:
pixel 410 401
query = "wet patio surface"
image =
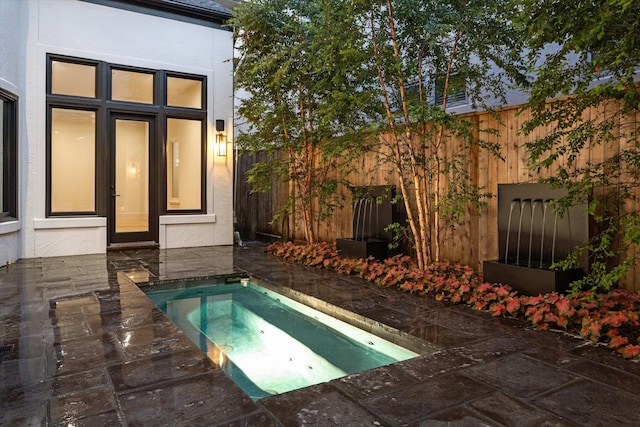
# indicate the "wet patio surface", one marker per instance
pixel 80 344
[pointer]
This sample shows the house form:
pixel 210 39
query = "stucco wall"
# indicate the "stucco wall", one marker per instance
pixel 86 30
pixel 13 39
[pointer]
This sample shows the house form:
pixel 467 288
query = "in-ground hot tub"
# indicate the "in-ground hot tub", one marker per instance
pixel 270 344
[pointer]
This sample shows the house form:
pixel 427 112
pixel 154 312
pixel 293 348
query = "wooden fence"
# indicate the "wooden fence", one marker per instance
pixel 471 243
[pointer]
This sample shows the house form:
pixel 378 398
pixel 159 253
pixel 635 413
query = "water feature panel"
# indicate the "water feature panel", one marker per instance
pixel 536 226
pixel 372 213
pixel 533 234
pixel 269 344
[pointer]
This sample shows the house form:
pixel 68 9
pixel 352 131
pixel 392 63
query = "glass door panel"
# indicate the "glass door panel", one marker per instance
pixel 133 215
pixel 132 176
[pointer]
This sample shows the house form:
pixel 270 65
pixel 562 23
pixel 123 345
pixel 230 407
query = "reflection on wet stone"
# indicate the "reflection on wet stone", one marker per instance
pixel 513 375
pixel 153 370
pixel 81 344
pixel 73 406
pixel 204 400
pixel 512 412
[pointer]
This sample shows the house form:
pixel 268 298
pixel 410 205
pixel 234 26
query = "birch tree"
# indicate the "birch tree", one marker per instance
pixel 426 53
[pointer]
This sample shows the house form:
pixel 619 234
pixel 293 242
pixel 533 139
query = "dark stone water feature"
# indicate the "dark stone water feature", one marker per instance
pixel 532 235
pixel 372 213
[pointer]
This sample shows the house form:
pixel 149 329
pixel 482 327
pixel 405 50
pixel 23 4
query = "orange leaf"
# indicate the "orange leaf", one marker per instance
pixel 513 305
pixel 479 305
pixel 550 317
pixel 562 322
pixel 630 351
pixel 552 297
pixel 497 310
pixel 534 300
pixel 503 290
pixel 616 318
pixel 613 332
pixel 563 306
pixel 484 287
pixel 531 311
pixel 618 341
pixel 537 317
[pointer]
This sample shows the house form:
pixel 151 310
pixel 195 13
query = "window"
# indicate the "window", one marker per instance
pixel 456 92
pixel 73 79
pixel 8 156
pixel 434 92
pixel 185 149
pixel 412 89
pixel 131 86
pixel 73 165
pixel 84 98
pixel 184 159
pixel 183 92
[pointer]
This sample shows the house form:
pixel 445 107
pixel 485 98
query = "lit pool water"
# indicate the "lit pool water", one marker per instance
pixel 269 344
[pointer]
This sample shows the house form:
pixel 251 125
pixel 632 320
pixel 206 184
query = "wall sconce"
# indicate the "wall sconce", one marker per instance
pixel 221 139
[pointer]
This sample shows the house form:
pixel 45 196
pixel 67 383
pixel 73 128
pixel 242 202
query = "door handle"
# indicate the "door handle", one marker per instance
pixel 115 195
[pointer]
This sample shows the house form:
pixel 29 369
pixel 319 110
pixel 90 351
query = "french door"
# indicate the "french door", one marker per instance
pixel 133 215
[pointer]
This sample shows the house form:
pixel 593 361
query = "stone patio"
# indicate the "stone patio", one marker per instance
pixel 81 344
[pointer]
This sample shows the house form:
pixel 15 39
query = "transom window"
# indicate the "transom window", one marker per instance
pixel 82 96
pixel 72 79
pixel 183 92
pixel 131 86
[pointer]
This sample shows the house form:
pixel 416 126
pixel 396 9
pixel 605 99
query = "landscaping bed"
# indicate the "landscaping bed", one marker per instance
pixel 608 318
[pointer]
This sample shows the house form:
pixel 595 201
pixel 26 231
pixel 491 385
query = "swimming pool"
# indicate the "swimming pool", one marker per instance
pixel 269 344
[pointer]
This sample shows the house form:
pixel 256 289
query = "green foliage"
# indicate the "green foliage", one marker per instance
pixel 400 233
pixel 589 51
pixel 317 71
pixel 301 65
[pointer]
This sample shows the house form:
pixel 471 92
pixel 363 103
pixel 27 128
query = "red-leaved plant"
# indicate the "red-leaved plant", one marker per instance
pixel 610 318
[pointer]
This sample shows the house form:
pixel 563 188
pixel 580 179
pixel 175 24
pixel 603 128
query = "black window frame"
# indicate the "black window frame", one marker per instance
pixel 172 112
pixel 72 102
pixel 186 76
pixel 104 106
pixel 66 106
pixel 99 94
pixel 203 164
pixel 9 208
pixel 157 88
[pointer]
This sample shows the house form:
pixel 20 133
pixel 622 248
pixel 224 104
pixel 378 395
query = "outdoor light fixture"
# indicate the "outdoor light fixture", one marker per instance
pixel 221 139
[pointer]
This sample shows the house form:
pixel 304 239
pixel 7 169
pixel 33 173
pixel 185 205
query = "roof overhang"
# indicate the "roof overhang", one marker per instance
pixel 201 12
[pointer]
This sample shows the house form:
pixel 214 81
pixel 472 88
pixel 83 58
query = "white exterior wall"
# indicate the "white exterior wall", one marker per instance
pixel 86 30
pixel 13 40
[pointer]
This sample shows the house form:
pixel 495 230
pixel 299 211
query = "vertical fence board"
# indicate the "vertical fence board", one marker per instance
pixel 472 243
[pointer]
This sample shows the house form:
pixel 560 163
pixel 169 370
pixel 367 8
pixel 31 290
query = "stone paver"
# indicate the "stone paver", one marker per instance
pixel 81 344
